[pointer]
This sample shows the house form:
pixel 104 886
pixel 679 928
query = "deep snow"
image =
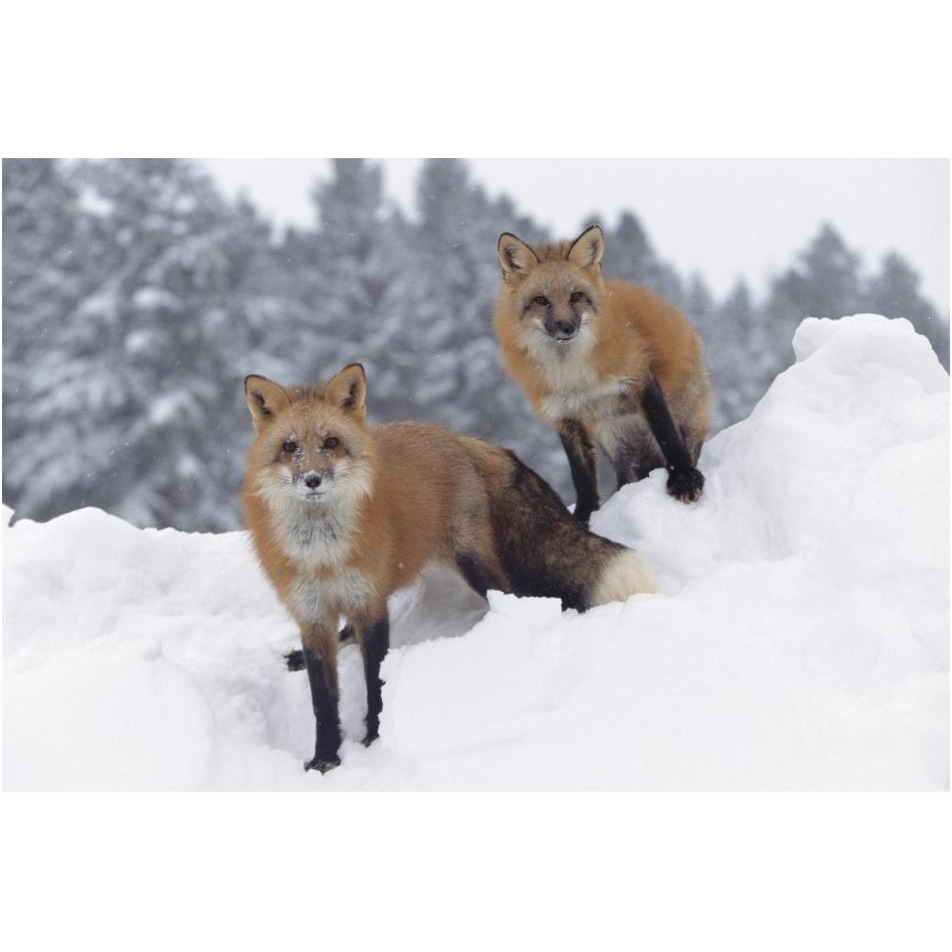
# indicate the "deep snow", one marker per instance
pixel 801 640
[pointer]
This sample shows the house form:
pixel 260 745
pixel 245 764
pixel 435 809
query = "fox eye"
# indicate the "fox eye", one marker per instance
pixel 290 446
pixel 331 442
pixel 540 300
pixel 575 297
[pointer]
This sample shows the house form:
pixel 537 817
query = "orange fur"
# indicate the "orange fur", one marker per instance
pixel 425 499
pixel 636 333
pixel 342 515
pixel 624 336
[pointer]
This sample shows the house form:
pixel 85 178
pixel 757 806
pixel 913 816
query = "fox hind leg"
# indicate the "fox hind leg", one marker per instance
pixel 636 455
pixel 578 446
pixel 480 574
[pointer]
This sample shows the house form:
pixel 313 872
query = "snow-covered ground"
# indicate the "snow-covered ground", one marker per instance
pixel 801 640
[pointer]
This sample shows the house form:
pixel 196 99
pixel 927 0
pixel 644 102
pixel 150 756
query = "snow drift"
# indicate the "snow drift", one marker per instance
pixel 800 640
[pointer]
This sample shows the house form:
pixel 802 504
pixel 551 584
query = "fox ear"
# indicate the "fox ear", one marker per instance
pixel 264 398
pixel 588 248
pixel 347 390
pixel 515 256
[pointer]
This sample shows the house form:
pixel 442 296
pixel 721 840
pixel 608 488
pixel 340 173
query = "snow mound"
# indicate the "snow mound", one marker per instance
pixel 800 640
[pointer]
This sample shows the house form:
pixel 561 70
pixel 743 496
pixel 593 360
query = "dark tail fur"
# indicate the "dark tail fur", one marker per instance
pixel 546 552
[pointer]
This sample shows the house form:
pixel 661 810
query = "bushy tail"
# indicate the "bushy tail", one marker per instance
pixel 546 551
pixel 624 574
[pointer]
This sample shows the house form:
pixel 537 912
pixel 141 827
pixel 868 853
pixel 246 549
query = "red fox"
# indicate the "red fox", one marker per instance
pixel 343 514
pixel 603 362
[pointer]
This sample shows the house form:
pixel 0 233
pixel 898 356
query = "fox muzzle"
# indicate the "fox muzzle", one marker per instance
pixel 562 329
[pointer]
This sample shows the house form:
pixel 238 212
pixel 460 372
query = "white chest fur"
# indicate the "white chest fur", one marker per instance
pixel 320 599
pixel 317 537
pixel 574 390
pixel 580 402
pixel 314 535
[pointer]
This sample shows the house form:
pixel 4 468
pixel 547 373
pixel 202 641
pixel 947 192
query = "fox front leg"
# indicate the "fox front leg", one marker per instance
pixel 374 637
pixel 685 481
pixel 581 453
pixel 320 661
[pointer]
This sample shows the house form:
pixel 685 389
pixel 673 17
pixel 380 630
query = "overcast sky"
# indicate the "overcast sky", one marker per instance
pixel 722 217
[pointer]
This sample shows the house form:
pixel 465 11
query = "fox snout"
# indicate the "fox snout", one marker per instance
pixel 562 328
pixel 308 483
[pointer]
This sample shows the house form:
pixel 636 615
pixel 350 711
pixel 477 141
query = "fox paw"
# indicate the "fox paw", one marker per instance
pixel 685 485
pixel 372 734
pixel 323 764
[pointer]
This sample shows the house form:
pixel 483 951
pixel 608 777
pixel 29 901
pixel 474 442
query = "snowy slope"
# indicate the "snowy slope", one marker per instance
pixel 801 640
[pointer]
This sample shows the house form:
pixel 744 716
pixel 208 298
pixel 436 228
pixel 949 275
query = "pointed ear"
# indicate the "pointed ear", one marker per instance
pixel 347 390
pixel 265 398
pixel 588 248
pixel 515 256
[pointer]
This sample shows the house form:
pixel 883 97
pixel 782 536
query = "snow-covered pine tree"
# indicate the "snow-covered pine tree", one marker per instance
pixel 454 289
pixel 143 390
pixel 136 298
pixel 47 251
pixel 453 359
pixel 824 282
pixel 698 305
pixel 737 355
pixel 630 257
pixel 350 276
pixel 894 292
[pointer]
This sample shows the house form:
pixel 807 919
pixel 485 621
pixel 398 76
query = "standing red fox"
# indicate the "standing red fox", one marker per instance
pixel 603 361
pixel 343 514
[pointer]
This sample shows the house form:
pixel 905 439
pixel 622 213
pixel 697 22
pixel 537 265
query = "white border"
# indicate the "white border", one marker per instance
pixel 466 871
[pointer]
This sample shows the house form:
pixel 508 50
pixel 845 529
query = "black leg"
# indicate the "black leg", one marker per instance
pixel 581 453
pixel 374 644
pixel 479 576
pixel 322 676
pixel 684 481
pixel 295 659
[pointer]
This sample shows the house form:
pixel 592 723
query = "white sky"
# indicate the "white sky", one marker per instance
pixel 722 217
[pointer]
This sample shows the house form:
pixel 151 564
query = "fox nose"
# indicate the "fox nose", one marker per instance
pixel 563 329
pixel 312 480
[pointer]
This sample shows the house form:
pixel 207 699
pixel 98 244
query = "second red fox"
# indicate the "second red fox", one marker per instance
pixel 604 363
pixel 343 514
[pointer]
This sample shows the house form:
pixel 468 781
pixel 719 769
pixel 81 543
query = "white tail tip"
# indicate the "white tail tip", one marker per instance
pixel 625 574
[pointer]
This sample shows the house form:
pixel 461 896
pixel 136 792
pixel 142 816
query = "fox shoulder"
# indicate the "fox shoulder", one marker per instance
pixel 666 337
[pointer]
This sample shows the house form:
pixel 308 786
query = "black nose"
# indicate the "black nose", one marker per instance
pixel 562 330
pixel 312 481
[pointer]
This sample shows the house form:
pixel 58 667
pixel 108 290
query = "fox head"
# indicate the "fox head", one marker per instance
pixel 552 290
pixel 312 445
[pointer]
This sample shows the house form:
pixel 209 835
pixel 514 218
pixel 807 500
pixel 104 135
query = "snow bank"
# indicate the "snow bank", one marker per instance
pixel 801 640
